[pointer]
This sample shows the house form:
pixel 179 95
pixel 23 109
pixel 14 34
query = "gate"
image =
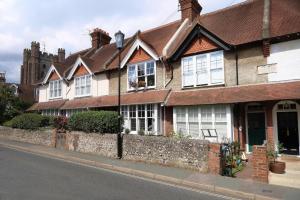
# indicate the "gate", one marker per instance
pixel 60 140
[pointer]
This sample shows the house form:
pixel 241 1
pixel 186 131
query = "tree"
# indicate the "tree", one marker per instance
pixel 10 105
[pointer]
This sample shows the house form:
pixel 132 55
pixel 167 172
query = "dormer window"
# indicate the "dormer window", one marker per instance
pixel 55 89
pixel 141 75
pixel 83 86
pixel 203 69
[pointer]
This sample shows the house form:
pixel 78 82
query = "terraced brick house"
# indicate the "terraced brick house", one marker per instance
pixel 232 74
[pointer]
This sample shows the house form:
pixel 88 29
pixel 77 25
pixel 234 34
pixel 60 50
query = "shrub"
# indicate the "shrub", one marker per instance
pixel 95 122
pixel 29 121
pixel 8 123
pixel 48 121
pixel 60 123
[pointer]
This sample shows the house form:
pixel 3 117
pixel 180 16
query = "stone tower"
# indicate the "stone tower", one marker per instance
pixel 35 66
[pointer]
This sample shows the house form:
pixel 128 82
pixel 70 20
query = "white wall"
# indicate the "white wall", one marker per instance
pixel 43 93
pixel 100 87
pixel 286 55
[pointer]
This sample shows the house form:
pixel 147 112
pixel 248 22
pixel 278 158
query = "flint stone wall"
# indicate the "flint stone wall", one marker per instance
pixel 105 145
pixel 185 153
pixel 41 137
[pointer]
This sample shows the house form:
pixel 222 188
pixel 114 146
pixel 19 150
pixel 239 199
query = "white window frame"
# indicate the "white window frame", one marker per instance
pixel 156 116
pixel 229 121
pixel 79 86
pixel 52 89
pixel 129 88
pixel 208 65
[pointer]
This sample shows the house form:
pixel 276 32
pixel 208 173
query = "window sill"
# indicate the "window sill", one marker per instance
pixel 83 96
pixel 142 89
pixel 203 86
pixel 55 98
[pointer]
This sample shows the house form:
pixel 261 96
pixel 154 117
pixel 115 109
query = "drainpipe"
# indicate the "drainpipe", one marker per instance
pixel 237 83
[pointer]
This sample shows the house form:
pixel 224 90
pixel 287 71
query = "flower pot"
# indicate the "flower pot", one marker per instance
pixel 277 167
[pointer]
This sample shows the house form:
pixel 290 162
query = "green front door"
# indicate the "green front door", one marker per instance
pixel 256 129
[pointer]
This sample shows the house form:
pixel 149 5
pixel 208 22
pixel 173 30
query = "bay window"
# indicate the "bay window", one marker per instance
pixel 196 121
pixel 83 86
pixel 203 69
pixel 145 118
pixel 141 75
pixel 55 89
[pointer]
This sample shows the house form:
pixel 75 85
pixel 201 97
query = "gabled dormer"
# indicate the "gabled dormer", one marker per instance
pixel 82 75
pixel 202 57
pixel 54 81
pixel 141 66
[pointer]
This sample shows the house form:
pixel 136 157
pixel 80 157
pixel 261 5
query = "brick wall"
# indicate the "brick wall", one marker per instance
pixel 260 164
pixel 214 159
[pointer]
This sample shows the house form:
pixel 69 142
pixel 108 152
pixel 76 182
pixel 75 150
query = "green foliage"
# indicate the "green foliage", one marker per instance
pixel 10 105
pixel 60 123
pixel 272 154
pixel 180 135
pixel 127 131
pixel 95 122
pixel 29 121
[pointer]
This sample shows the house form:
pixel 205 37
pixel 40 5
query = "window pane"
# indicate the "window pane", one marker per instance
pixel 142 124
pixel 206 114
pixel 220 114
pixel 201 70
pixel 141 70
pixel 150 68
pixel 133 124
pixel 188 73
pixel 193 122
pixel 216 68
pixel 141 110
pixel 151 80
pixel 132 111
pixel 131 75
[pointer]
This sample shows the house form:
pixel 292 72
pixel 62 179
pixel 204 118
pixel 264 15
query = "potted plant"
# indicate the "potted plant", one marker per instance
pixel 127 131
pixel 275 166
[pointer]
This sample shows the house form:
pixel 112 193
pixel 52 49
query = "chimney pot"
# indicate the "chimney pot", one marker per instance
pixel 99 38
pixel 190 9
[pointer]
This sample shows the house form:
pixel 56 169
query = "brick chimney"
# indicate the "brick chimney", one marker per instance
pixel 61 53
pixel 189 9
pixel 99 38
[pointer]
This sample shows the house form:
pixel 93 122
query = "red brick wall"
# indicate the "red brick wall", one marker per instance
pixel 260 164
pixel 269 115
pixel 214 159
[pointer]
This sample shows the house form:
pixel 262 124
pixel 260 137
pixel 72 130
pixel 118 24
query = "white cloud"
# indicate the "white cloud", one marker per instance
pixel 32 20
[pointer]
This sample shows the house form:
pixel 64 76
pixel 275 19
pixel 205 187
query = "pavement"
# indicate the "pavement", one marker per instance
pixel 291 177
pixel 238 188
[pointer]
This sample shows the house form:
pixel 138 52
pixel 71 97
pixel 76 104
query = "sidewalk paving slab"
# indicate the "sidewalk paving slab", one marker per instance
pixel 246 189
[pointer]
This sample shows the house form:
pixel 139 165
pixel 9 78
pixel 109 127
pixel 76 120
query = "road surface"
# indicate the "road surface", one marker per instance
pixel 28 176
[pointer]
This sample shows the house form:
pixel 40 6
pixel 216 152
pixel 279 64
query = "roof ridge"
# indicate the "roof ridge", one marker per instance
pixel 246 2
pixel 159 27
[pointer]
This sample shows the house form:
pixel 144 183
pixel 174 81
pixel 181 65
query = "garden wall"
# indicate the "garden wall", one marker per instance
pixel 34 137
pixel 186 153
pixel 105 145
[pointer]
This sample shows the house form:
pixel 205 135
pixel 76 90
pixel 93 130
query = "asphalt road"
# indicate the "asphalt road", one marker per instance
pixel 27 176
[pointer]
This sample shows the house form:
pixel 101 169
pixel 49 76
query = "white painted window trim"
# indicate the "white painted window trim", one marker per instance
pixel 91 85
pixel 75 66
pixel 136 45
pixel 155 116
pixel 51 69
pixel 59 82
pixel 194 57
pixel 136 75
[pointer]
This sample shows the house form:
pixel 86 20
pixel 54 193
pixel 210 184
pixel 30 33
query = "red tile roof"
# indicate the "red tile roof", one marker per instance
pixel 47 105
pixel 149 97
pixel 236 94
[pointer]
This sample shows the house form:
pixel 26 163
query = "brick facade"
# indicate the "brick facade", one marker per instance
pixel 214 159
pixel 260 164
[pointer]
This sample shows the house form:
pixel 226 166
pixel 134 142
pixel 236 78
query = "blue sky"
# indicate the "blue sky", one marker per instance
pixel 66 23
